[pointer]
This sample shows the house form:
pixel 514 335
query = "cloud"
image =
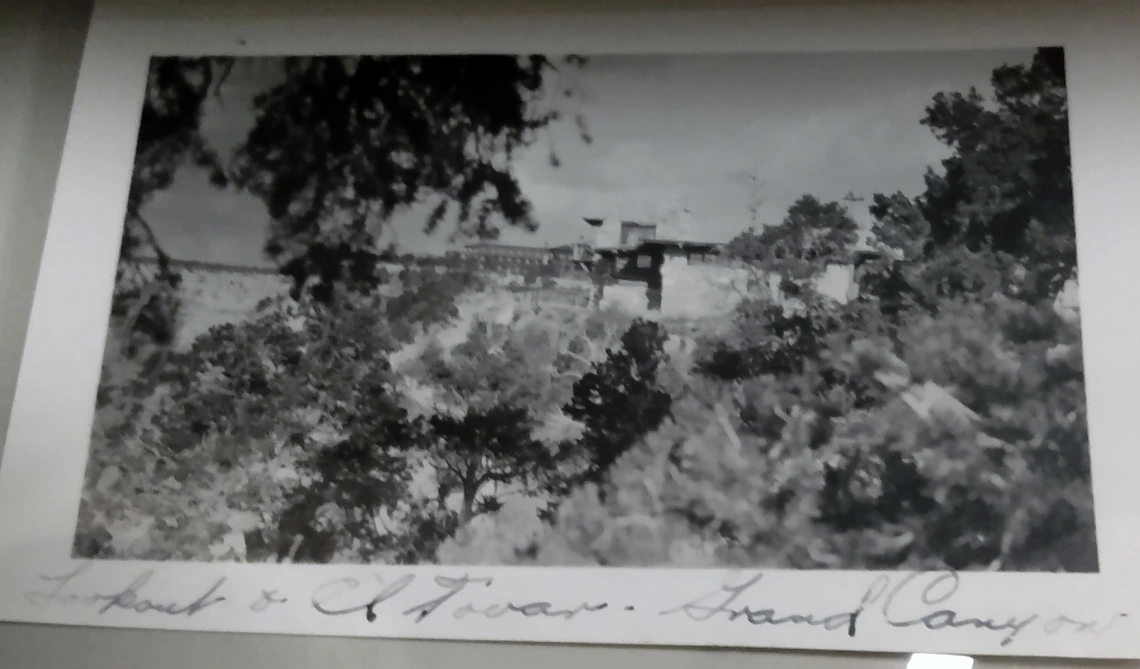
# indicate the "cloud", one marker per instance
pixel 872 146
pixel 877 146
pixel 673 161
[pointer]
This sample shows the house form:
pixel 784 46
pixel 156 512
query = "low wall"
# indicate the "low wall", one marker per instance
pixel 703 290
pixel 213 298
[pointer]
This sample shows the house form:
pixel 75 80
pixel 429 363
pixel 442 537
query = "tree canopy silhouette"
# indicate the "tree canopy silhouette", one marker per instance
pixel 936 420
pixel 1003 200
pixel 339 144
pixel 342 143
pixel 813 235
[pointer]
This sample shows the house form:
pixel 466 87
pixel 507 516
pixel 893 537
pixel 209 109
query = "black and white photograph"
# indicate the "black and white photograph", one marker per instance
pixel 743 310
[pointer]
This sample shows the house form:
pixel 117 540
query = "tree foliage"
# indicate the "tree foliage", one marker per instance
pixel 812 234
pixel 1000 211
pixel 619 400
pixel 338 145
pixel 936 420
pixel 343 143
pixel 146 303
pixel 485 411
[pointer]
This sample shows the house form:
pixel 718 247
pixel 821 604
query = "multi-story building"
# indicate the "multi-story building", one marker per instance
pixel 571 252
pixel 563 259
pixel 490 256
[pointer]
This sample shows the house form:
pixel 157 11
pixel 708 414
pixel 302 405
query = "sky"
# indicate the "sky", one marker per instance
pixel 672 133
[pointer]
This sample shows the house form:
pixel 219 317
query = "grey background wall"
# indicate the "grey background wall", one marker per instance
pixel 40 50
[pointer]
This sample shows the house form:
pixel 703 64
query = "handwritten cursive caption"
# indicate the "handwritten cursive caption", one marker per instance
pixel 920 600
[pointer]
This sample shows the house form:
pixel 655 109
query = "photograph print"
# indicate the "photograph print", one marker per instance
pixel 796 311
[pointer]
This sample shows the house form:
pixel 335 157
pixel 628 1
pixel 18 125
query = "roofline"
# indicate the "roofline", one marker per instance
pixel 650 243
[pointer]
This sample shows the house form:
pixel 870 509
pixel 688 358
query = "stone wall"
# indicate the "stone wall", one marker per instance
pixel 213 297
pixel 701 290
